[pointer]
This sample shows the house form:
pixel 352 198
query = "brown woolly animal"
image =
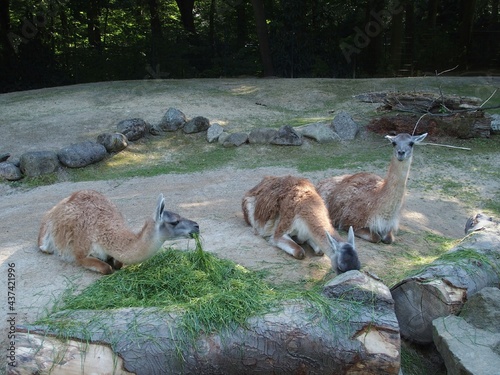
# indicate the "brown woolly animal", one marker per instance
pixel 88 229
pixel 370 204
pixel 280 208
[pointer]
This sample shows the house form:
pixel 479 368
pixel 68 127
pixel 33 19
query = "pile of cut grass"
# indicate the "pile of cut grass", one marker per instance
pixel 213 293
pixel 210 293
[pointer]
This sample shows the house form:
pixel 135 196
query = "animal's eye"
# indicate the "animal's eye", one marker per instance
pixel 174 223
pixel 394 143
pixel 411 144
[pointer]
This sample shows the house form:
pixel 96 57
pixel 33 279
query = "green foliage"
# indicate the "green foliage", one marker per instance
pixel 211 293
pixel 78 41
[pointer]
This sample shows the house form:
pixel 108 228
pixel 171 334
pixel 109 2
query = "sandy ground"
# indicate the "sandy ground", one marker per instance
pixel 51 118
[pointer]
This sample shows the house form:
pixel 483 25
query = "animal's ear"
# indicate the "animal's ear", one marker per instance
pixel 418 138
pixel 160 206
pixel 333 242
pixel 389 137
pixel 350 237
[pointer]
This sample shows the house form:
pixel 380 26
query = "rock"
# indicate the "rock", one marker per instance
pixel 222 137
pixel 344 126
pixel 320 132
pixel 469 342
pixel 287 136
pixel 81 154
pixel 9 171
pixel 4 157
pixel 37 163
pixel 262 135
pixel 235 140
pixel 154 130
pixel 196 125
pixel 133 129
pixel 172 120
pixel 495 123
pixel 213 132
pixel 113 143
pixel 482 310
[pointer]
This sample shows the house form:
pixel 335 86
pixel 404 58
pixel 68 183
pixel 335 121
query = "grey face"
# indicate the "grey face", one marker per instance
pixel 173 225
pixel 179 226
pixel 403 144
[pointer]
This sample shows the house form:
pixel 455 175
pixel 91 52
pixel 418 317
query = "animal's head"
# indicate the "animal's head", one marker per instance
pixel 346 257
pixel 172 225
pixel 403 144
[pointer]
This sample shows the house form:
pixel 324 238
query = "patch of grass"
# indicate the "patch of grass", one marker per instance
pixel 413 259
pixel 32 182
pixel 212 293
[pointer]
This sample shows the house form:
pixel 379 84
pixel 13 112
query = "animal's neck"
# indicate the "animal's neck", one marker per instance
pixel 143 245
pixel 397 175
pixel 394 186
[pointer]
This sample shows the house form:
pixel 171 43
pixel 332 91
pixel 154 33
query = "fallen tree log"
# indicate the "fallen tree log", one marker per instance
pixel 442 288
pixel 360 335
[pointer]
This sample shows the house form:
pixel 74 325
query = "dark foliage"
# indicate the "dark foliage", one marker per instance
pixel 56 42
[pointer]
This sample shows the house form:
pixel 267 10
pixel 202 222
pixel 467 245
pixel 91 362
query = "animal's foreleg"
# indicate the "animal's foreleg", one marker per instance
pixel 95 264
pixel 367 234
pixel 288 245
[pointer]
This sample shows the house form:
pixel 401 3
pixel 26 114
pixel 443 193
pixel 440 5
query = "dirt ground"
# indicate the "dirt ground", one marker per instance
pixel 52 118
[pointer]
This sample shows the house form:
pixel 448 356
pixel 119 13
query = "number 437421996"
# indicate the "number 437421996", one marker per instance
pixel 11 286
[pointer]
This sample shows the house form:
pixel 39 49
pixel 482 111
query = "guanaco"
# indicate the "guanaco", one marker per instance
pixel 288 211
pixel 367 202
pixel 87 228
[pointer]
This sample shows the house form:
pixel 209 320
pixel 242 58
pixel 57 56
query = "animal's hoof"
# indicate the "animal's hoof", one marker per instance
pixel 299 254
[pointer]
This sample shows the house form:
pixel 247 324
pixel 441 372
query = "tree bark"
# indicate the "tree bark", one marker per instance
pixel 93 23
pixel 7 49
pixel 442 288
pixel 468 11
pixel 156 32
pixel 187 17
pixel 362 338
pixel 263 36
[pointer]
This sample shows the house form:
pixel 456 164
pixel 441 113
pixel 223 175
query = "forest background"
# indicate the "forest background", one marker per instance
pixel 46 43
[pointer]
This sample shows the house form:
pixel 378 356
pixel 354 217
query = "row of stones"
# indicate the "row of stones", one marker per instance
pixel 77 155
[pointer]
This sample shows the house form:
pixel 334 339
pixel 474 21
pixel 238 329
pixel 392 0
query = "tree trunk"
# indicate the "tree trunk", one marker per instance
pixel 156 33
pixel 432 9
pixel 468 12
pixel 362 337
pixel 397 35
pixel 263 36
pixel 442 288
pixel 7 49
pixel 93 23
pixel 187 17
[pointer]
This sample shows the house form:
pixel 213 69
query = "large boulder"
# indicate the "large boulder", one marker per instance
pixel 81 154
pixel 9 171
pixel 134 129
pixel 113 143
pixel 287 136
pixel 172 120
pixel 213 132
pixel 345 126
pixel 319 131
pixel 470 343
pixel 37 163
pixel 196 125
pixel 235 140
pixel 262 135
